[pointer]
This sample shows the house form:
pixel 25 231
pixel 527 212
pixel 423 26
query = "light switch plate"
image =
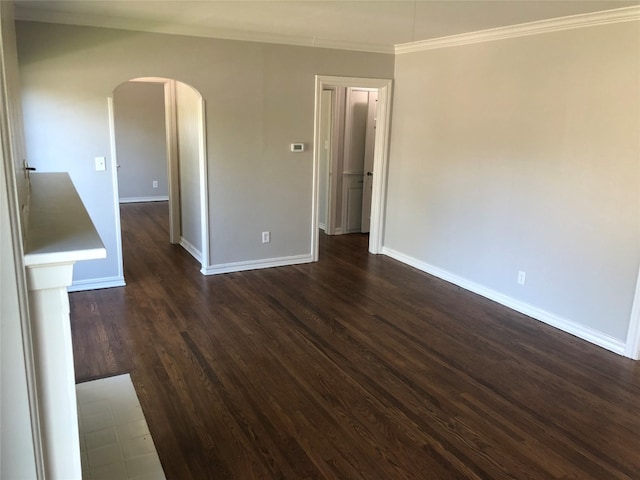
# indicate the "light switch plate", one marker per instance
pixel 101 164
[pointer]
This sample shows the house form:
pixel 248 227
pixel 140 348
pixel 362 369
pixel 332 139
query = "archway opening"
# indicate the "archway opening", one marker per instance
pixel 158 151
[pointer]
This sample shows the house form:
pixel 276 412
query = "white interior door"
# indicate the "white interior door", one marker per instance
pixel 357 101
pixel 367 174
pixel 324 217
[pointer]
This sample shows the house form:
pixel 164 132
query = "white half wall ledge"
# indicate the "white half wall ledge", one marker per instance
pixel 96 284
pixel 257 264
pixel 618 15
pixel 581 331
pixel 59 234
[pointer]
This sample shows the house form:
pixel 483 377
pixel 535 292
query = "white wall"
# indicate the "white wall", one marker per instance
pixel 13 102
pixel 140 135
pixel 17 453
pixel 523 154
pixel 17 458
pixel 189 128
pixel 259 99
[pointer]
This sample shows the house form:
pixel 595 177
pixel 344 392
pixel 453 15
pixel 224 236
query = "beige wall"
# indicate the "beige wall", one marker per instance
pixel 259 99
pixel 523 154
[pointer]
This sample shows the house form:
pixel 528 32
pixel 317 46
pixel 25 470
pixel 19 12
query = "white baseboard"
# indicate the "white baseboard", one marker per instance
pixel 581 331
pixel 193 251
pixel 160 198
pixel 257 264
pixel 322 226
pixel 96 283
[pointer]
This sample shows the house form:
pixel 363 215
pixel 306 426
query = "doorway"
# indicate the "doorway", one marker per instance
pixel 350 157
pixel 180 176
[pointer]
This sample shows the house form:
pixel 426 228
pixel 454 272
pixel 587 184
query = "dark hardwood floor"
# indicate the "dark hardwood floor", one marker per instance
pixel 353 367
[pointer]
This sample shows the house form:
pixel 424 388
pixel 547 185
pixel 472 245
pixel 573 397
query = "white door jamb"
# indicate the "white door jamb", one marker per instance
pixel 204 190
pixel 116 192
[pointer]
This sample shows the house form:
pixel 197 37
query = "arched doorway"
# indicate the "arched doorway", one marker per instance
pixel 184 183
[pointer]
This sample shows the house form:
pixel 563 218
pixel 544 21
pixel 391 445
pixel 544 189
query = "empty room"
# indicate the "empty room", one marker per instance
pixel 320 239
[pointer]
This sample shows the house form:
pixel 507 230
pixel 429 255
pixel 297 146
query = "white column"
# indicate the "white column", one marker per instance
pixel 51 328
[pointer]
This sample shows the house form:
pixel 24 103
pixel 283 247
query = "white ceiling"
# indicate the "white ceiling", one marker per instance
pixel 359 25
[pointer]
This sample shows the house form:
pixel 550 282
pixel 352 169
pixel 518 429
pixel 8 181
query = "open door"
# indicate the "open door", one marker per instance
pixel 367 172
pixel 325 202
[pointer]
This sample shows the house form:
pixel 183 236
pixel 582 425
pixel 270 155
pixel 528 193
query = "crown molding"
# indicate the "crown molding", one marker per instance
pixel 49 16
pixel 618 15
pixel 524 29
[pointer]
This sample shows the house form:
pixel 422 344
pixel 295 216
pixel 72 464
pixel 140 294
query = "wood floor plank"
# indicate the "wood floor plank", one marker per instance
pixel 353 367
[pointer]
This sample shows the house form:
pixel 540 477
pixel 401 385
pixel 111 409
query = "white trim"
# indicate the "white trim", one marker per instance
pixel 121 23
pixel 632 349
pixel 581 331
pixel 322 226
pixel 173 171
pixel 158 198
pixel 336 140
pixel 380 168
pixel 204 185
pixel 381 155
pixel 627 14
pixel 257 264
pixel 193 251
pixel 115 191
pixel 96 284
pixel 150 80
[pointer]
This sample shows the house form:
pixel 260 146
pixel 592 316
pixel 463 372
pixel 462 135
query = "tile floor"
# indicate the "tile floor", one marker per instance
pixel 115 443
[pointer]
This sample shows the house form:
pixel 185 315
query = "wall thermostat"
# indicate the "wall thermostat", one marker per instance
pixel 297 147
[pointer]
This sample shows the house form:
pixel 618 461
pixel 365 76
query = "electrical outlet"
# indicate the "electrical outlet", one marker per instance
pixel 155 184
pixel 266 237
pixel 522 277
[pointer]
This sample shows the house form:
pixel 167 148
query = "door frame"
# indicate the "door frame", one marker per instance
pixel 173 171
pixel 328 223
pixel 204 186
pixel 369 145
pixel 380 158
pixel 336 139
